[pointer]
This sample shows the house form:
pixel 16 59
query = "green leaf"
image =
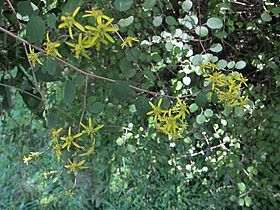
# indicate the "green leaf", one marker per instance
pixel 50 65
pixel 127 68
pixel 208 113
pixel 187 80
pixel 221 64
pixel 187 5
pixel 170 20
pixel 231 64
pixel 266 17
pixel 239 111
pixel 126 22
pixel 197 59
pixel 35 29
pixel 241 187
pixel 51 20
pixel 240 65
pixel 201 99
pixel 214 23
pixel 71 5
pixel 69 92
pixel 149 3
pixel 248 201
pixel 200 119
pixel 216 47
pixel 97 108
pixel 193 107
pixel 123 5
pixel 157 21
pixel 52 119
pixel 201 31
pixel 25 8
pixel 142 106
pixel 241 201
pixel 121 90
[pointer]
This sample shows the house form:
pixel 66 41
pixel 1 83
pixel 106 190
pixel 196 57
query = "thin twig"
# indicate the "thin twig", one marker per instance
pixel 203 151
pixel 86 73
pixel 85 102
pixel 26 92
pixel 25 50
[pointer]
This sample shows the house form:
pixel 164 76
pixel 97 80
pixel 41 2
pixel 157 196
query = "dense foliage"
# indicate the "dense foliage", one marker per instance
pixel 139 104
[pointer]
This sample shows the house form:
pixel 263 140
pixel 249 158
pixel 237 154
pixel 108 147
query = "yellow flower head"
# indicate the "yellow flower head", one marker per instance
pixel 215 78
pixel 90 130
pixel 32 57
pixel 50 47
pixel 170 127
pixel 156 111
pixel 26 159
pixel 182 109
pixel 80 47
pixel 101 32
pixel 69 140
pixel 98 14
pixel 69 21
pixel 91 150
pixel 74 166
pixel 128 41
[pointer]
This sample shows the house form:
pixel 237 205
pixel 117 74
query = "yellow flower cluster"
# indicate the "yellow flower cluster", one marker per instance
pixel 70 141
pixel 88 36
pixel 228 87
pixel 32 155
pixel 171 122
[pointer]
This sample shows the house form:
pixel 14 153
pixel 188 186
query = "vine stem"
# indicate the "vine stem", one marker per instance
pixel 86 73
pixel 25 49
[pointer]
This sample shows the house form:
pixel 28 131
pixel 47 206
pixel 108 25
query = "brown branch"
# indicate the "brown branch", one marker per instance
pixel 86 73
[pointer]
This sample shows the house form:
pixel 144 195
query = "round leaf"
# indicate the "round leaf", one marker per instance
pixel 200 119
pixel 214 23
pixel 201 31
pixel 170 20
pixel 126 22
pixel 201 99
pixel 208 113
pixel 240 65
pixel 35 29
pixel 149 3
pixel 216 47
pixel 193 107
pixel 157 21
pixel 187 80
pixel 187 5
pixel 123 5
pixel 266 17
pixel 221 64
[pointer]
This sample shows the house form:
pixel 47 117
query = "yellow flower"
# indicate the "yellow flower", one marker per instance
pixel 182 109
pixel 90 130
pixel 69 21
pixel 74 167
pixel 69 140
pixel 215 78
pixel 50 47
pixel 98 14
pixel 170 127
pixel 90 151
pixel 54 135
pixel 35 154
pixel 242 79
pixel 128 41
pixel 156 110
pixel 32 57
pixel 57 150
pixel 26 159
pixel 208 65
pixel 80 47
pixel 101 34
